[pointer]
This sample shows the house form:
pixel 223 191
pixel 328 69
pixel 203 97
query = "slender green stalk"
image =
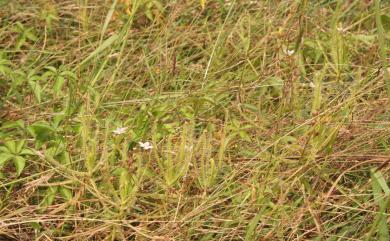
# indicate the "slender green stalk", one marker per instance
pixel 382 46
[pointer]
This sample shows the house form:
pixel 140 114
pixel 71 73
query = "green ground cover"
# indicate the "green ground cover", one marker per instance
pixel 194 120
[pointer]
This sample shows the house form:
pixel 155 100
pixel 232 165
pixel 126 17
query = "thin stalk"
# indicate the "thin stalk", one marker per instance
pixel 382 45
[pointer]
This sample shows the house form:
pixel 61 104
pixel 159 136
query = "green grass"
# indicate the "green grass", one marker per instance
pixel 269 120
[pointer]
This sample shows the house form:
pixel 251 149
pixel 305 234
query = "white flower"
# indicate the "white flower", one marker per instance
pixel 188 148
pixel 120 130
pixel 290 52
pixel 145 145
pixel 340 28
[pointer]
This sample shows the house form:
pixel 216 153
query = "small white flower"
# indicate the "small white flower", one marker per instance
pixel 188 148
pixel 340 28
pixel 120 130
pixel 312 85
pixel 145 145
pixel 290 52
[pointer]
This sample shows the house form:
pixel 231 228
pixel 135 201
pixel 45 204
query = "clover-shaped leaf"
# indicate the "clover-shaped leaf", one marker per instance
pixel 17 152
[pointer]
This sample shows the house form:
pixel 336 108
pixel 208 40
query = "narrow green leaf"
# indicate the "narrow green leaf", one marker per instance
pixel 31 36
pixel 378 177
pixel 49 197
pixel 107 43
pixel 251 107
pixel 250 232
pixel 58 85
pixel 382 45
pixel 66 193
pixel 366 39
pixel 124 185
pixel 51 68
pixel 108 19
pixel 36 226
pixel 380 223
pixel 13 124
pixel 317 97
pixel 64 158
pixel 69 74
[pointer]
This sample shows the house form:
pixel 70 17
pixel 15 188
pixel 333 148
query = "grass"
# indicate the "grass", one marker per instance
pixel 268 120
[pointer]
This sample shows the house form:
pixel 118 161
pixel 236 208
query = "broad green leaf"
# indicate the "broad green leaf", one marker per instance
pixel 27 151
pixel 19 146
pixel 244 135
pixel 41 131
pixel 386 22
pixel 4 149
pixel 19 163
pixel 37 90
pixel 4 157
pixel 5 66
pixel 11 146
pixel 149 14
